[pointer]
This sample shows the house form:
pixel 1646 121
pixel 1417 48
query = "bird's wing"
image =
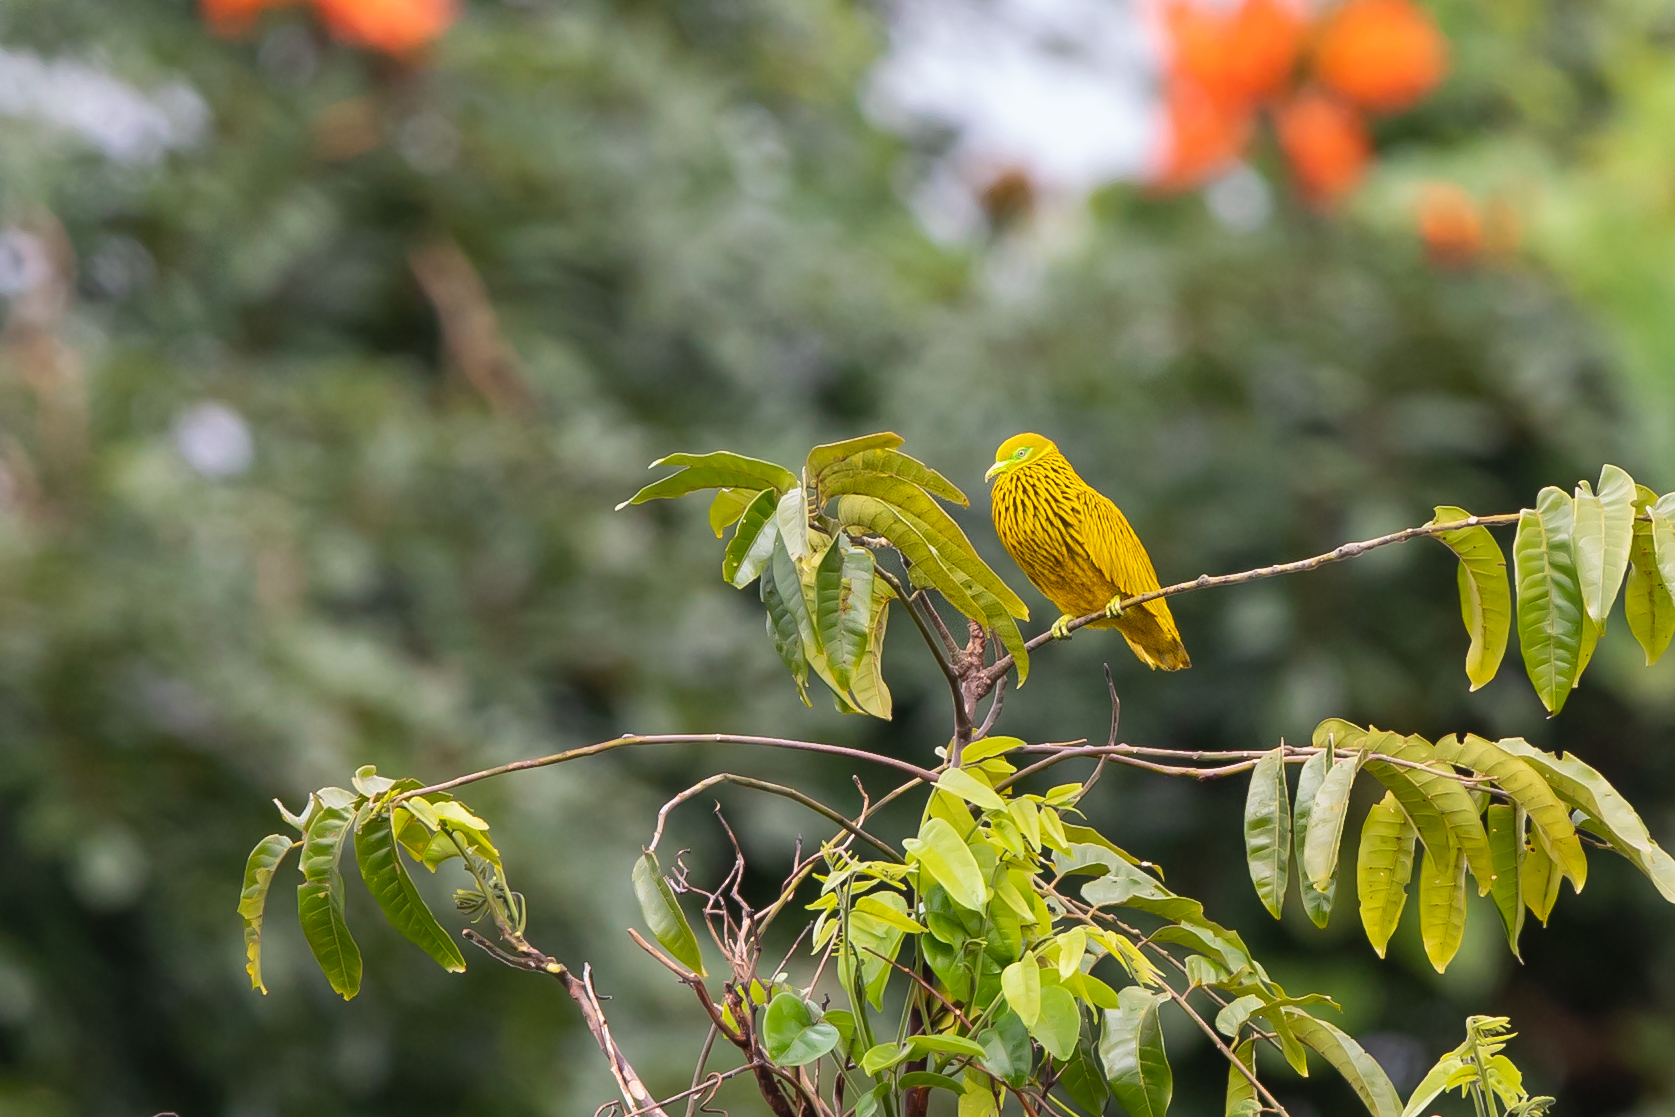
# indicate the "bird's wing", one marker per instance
pixel 1113 546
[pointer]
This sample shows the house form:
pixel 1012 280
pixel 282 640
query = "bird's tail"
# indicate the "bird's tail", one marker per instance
pixel 1150 630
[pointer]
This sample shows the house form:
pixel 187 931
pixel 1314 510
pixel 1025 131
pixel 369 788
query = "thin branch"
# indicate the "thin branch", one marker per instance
pixel 633 740
pixel 993 715
pixel 1180 999
pixel 1205 581
pixel 772 789
pixel 962 715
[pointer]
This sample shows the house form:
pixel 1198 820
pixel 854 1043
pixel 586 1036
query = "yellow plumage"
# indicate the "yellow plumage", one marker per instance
pixel 1076 547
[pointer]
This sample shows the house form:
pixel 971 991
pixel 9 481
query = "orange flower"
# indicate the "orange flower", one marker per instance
pixel 1382 54
pixel 392 26
pixel 1326 142
pixel 1238 58
pixel 1450 224
pixel 232 17
pixel 1204 136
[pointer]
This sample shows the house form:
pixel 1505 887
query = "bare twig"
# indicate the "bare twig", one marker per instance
pixel 634 740
pixel 993 715
pixel 773 789
pixel 942 654
pixel 1205 581
pixel 476 349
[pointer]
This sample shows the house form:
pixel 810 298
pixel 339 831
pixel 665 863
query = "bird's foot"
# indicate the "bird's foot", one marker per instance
pixel 1113 607
pixel 1061 627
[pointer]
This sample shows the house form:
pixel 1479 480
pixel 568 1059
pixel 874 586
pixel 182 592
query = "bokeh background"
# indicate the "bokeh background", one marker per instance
pixel 329 345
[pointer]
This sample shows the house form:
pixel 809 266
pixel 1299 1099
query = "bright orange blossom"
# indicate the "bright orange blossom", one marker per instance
pixel 1382 54
pixel 1326 143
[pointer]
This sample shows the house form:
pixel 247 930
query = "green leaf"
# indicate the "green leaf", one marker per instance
pixel 945 1044
pixel 930 1080
pixel 1485 597
pixel 320 896
pixel 1538 879
pixel 958 781
pixel 1442 907
pixel 386 878
pixel 1550 608
pixel 728 506
pixel 1603 534
pixel 890 909
pixel 791 514
pixel 1268 831
pixel 1646 599
pixel 875 933
pixel 1132 1051
pixel 866 684
pixel 753 541
pixel 1519 779
pixel 828 454
pixel 663 916
pixel 1383 867
pixel 1316 902
pixel 719 470
pixel 1060 1023
pixel 1021 982
pixel 1434 1083
pixel 1083 1079
pixel 1662 515
pixel 1242 1099
pixel 889 462
pixel 1584 788
pixel 1347 1057
pixel 1006 1049
pixel 784 603
pixel 1506 843
pixel 791 1033
pixel 843 606
pixel 881 1057
pixel 941 851
pixel 264 861
pixel 1326 820
pixel 1233 1015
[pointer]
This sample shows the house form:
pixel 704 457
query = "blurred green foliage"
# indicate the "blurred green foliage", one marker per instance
pixel 261 524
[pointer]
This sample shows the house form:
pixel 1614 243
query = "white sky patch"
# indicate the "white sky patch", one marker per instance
pixel 1064 89
pixel 124 123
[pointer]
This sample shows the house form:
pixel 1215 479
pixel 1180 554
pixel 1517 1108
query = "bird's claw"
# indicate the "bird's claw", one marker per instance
pixel 1113 607
pixel 1061 627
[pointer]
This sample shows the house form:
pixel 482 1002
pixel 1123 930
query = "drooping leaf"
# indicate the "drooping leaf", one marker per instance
pixel 1326 821
pixel 386 878
pixel 1646 598
pixel 753 541
pixel 1268 831
pixel 1530 791
pixel 942 853
pixel 1242 1099
pixel 264 861
pixel 728 506
pixel 782 596
pixel 661 911
pixel 945 1045
pixel 1021 982
pixel 1233 1015
pixel 1602 538
pixel 719 470
pixel 1485 596
pixel 1662 518
pixel 1539 878
pixel 1550 607
pixel 1059 1024
pixel 320 896
pixel 843 606
pixel 792 1034
pixel 1584 788
pixel 958 781
pixel 1350 1060
pixel 1316 902
pixel 791 514
pixel 828 454
pixel 1083 1079
pixel 1442 908
pixel 866 684
pixel 882 1056
pixel 1006 1049
pixel 1505 823
pixel 1383 867
pixel 892 463
pixel 1131 1050
pixel 876 928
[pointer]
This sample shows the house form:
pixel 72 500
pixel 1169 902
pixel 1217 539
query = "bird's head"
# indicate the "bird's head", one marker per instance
pixel 1020 449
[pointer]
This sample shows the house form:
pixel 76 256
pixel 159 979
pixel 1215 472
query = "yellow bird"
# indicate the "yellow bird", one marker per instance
pixel 1076 547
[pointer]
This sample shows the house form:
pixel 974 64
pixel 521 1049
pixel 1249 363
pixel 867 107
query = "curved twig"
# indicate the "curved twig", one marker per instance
pixel 772 789
pixel 629 740
pixel 1205 581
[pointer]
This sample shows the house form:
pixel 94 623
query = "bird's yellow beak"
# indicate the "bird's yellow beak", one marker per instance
pixel 998 467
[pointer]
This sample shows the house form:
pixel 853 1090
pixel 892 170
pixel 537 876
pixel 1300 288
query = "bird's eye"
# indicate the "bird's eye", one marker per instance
pixel 1021 452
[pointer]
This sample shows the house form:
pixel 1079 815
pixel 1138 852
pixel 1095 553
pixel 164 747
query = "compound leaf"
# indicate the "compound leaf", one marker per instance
pixel 320 896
